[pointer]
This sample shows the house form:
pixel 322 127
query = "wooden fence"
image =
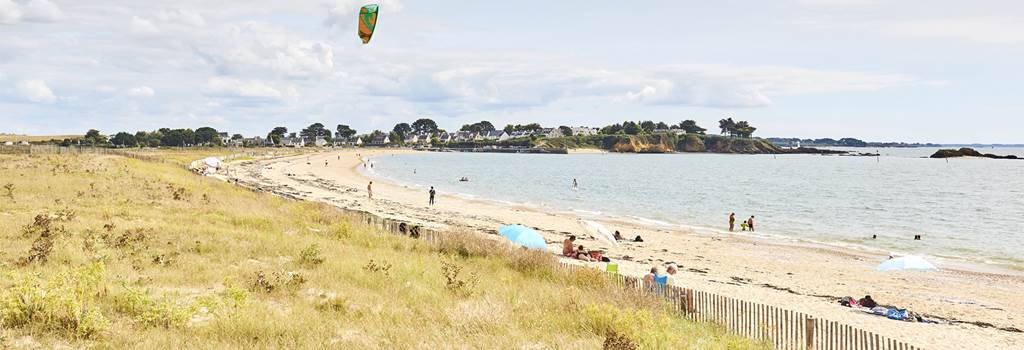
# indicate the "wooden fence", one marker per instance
pixel 783 329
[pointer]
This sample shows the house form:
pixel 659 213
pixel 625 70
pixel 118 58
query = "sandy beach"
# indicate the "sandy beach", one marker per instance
pixel 976 308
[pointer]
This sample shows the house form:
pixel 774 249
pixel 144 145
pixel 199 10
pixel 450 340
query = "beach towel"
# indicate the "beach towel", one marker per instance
pixel 897 314
pixel 661 280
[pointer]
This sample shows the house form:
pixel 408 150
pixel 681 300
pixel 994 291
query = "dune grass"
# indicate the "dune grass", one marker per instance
pixel 109 252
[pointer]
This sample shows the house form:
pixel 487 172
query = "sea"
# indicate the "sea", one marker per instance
pixel 964 209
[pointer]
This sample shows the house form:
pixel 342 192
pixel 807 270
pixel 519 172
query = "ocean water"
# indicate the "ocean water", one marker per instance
pixel 965 209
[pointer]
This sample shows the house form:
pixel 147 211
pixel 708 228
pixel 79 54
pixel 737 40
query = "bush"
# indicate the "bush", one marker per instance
pixel 311 255
pixel 65 303
pixel 151 312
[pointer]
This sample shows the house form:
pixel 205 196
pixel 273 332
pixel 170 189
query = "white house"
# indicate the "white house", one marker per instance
pixel 549 132
pixel 494 135
pixel 445 137
pixel 380 140
pixel 465 136
pixel 320 141
pixel 359 141
pixel 584 131
pixel 520 134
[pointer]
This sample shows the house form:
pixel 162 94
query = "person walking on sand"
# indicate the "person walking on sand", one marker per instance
pixel 369 190
pixel 432 193
pixel 575 184
pixel 750 223
pixel 732 222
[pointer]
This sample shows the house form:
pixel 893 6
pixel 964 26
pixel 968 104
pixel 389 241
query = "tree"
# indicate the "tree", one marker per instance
pixel 123 139
pixel 611 129
pixel 743 129
pixel 94 138
pixel 482 126
pixel 315 130
pixel 276 134
pixel 728 126
pixel 647 126
pixel 237 137
pixel 631 128
pixel 345 131
pixel 178 138
pixel 661 125
pixel 566 131
pixel 424 126
pixel 691 127
pixel 402 130
pixel 207 136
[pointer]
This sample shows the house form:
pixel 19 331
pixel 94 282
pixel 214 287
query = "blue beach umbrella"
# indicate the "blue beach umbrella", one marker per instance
pixel 909 262
pixel 523 236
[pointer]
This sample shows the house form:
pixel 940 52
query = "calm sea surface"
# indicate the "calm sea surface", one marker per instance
pixel 969 209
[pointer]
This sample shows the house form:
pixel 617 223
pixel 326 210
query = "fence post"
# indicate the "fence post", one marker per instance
pixel 809 334
pixel 689 301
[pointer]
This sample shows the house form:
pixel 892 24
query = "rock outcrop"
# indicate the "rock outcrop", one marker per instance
pixel 967 152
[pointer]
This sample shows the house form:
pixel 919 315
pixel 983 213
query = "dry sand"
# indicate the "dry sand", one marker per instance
pixel 978 309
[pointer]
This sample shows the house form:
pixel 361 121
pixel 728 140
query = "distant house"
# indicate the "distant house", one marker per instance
pixel 670 131
pixel 234 142
pixel 292 141
pixel 320 141
pixel 520 134
pixel 223 136
pixel 548 132
pixel 8 143
pixel 359 141
pixel 494 135
pixel 463 136
pixel 584 131
pixel 380 140
pixel 445 137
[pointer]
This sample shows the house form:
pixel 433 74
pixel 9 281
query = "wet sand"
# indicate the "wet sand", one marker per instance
pixel 978 309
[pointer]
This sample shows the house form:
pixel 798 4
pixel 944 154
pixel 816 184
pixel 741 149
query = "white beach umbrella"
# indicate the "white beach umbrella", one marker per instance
pixel 909 262
pixel 599 230
pixel 212 162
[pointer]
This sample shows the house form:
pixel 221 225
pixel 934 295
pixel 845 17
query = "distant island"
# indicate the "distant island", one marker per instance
pixel 843 142
pixel 968 152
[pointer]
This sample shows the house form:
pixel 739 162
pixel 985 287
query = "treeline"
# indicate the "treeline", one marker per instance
pixel 204 136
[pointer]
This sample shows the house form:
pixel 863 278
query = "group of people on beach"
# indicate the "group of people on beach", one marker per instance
pixel 655 277
pixel 745 225
pixel 569 249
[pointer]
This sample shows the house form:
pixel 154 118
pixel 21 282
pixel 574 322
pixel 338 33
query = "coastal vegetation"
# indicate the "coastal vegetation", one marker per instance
pixel 110 252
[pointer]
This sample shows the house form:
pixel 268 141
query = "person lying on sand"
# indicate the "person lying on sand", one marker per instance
pixel 618 236
pixel 582 254
pixel 567 246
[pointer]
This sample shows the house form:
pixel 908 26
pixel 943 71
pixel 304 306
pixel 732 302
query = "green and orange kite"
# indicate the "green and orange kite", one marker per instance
pixel 367 22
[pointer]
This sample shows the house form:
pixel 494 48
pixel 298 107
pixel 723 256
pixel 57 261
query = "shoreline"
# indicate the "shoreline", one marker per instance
pixel 754 268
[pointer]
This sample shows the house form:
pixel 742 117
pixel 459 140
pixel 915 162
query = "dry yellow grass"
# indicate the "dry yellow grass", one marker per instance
pixel 109 252
pixel 31 138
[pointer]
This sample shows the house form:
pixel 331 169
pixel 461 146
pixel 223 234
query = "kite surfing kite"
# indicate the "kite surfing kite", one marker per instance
pixel 367 21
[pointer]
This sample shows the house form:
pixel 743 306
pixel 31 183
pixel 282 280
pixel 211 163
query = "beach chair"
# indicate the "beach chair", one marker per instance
pixel 612 268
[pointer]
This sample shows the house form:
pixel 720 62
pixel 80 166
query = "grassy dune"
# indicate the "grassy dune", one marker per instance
pixel 110 252
pixel 37 138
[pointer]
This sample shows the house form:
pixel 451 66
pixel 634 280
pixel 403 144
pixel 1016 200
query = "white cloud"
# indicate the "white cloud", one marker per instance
pixel 9 12
pixel 143 26
pixel 42 11
pixel 35 90
pixel 246 89
pixel 186 17
pixel 141 91
pixel 992 30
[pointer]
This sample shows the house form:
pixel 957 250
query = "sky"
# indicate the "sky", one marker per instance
pixel 899 70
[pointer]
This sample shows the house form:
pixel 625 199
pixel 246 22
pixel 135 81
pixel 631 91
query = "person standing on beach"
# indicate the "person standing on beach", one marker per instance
pixel 732 222
pixel 575 184
pixel 750 223
pixel 369 189
pixel 432 193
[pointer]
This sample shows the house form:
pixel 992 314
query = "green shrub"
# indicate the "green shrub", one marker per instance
pixel 152 312
pixel 66 302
